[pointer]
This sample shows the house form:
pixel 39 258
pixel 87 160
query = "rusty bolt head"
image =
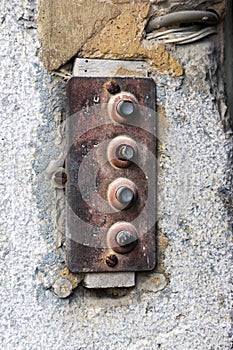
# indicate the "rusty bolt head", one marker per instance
pixel 112 260
pixel 112 87
pixel 62 288
pixel 59 178
pixel 124 238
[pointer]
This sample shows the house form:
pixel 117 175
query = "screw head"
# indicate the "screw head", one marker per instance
pixel 126 108
pixel 124 238
pixel 112 260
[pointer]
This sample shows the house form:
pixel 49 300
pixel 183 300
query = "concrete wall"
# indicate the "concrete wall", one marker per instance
pixel 187 305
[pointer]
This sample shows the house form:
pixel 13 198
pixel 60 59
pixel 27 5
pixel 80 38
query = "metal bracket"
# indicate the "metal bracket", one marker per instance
pixel 96 126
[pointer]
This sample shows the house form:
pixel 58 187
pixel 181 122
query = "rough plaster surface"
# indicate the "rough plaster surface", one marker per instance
pixel 192 311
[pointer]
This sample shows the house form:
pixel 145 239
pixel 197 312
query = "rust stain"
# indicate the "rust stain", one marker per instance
pixel 163 242
pixel 73 278
pixel 122 38
pixel 155 280
pixel 162 126
pixel 112 87
pixel 125 71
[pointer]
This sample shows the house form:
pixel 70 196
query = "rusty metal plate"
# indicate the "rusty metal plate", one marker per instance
pixel 99 127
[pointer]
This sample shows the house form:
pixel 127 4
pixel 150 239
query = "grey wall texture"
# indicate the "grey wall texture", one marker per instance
pixel 190 308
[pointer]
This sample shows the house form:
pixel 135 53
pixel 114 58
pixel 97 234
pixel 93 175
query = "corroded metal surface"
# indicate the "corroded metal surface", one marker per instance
pixel 90 130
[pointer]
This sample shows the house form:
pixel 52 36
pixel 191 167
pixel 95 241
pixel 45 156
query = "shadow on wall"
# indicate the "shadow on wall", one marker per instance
pixel 229 57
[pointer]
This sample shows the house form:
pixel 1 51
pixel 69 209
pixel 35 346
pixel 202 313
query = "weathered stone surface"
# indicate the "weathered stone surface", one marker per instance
pixel 65 25
pixel 107 30
pixel 122 38
pixel 110 29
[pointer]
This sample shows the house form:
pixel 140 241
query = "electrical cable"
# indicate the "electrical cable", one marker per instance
pixel 183 34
